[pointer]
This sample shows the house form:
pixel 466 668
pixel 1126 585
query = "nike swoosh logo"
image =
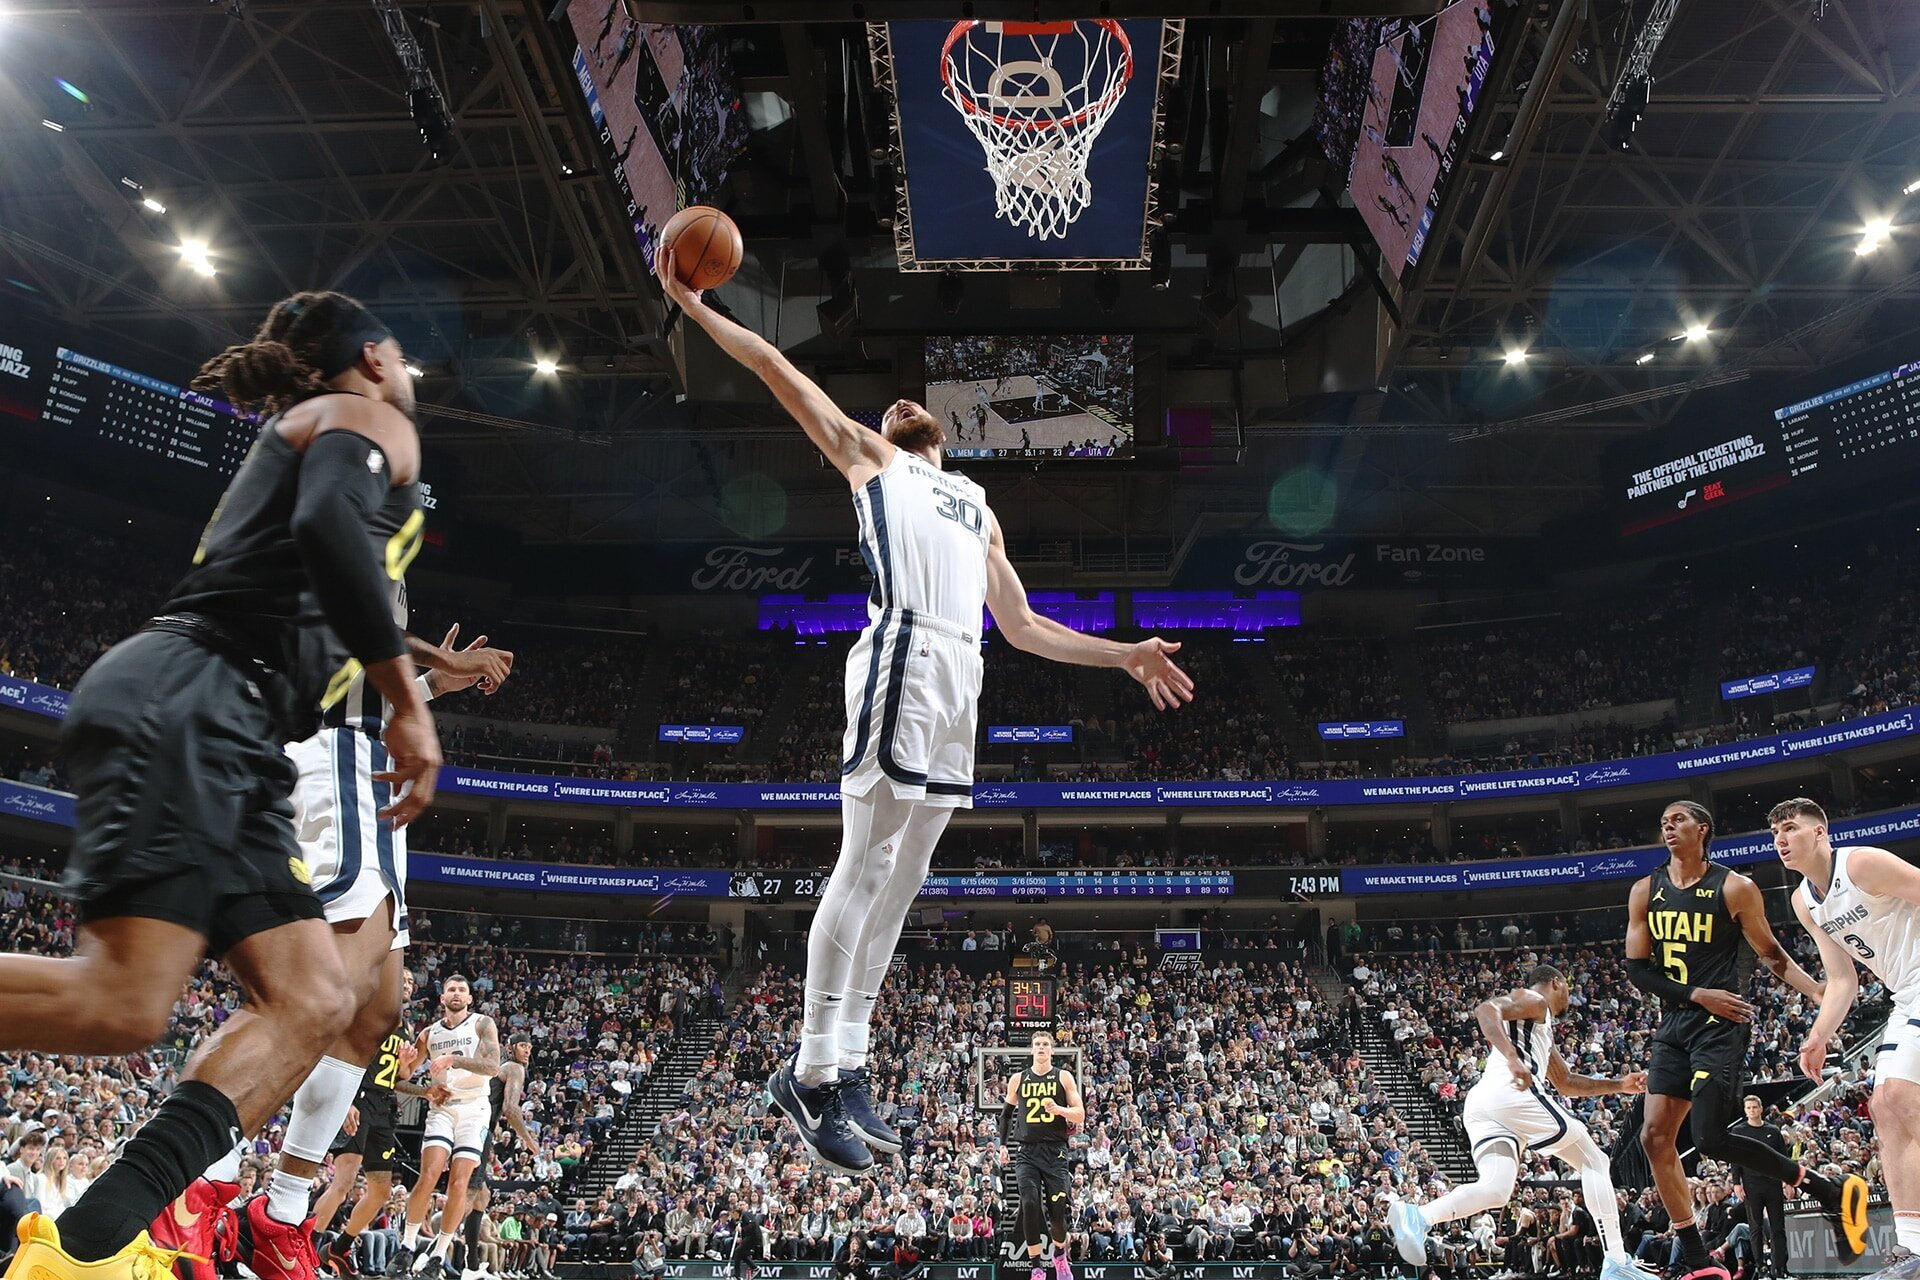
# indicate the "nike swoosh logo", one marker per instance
pixel 282 1261
pixel 181 1218
pixel 807 1117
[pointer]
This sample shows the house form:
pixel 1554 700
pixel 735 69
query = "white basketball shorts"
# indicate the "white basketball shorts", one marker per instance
pixel 460 1126
pixel 356 860
pixel 913 694
pixel 1899 1056
pixel 1532 1119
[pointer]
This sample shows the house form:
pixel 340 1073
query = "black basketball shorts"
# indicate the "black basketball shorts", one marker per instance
pixel 1041 1171
pixel 374 1141
pixel 1695 1051
pixel 182 810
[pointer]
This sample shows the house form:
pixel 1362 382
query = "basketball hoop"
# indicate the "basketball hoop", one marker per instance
pixel 1037 129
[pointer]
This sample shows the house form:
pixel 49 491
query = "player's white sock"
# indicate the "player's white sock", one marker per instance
pixel 854 1031
pixel 410 1238
pixel 1498 1172
pixel 443 1244
pixel 287 1197
pixel 320 1108
pixel 819 1049
pixel 1906 1230
pixel 226 1168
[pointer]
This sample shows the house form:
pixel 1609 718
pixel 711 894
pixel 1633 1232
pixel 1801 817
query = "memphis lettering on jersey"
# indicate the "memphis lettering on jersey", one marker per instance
pixel 1856 916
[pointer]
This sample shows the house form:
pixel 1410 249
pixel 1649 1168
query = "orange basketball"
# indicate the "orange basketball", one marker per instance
pixel 706 246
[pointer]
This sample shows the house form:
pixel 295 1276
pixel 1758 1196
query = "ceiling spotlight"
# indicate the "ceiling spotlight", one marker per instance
pixel 152 205
pixel 196 255
pixel 416 371
pixel 1880 228
pixel 546 366
pixel 54 125
pixel 1645 357
pixel 1516 356
pixel 131 185
pixel 1501 154
pixel 1695 332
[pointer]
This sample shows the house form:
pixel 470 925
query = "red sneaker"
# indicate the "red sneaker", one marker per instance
pixel 271 1249
pixel 188 1224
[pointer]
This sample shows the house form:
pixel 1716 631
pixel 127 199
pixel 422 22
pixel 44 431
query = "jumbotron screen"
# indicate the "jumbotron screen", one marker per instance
pixel 1033 397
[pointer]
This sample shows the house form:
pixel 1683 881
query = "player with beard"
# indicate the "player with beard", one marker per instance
pixel 462 1052
pixel 184 844
pixel 912 691
pixel 1694 928
pixel 504 1093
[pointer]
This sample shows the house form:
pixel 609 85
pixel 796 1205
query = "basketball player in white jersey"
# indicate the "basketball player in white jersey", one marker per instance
pixel 913 681
pixel 1507 1113
pixel 462 1052
pixel 1862 906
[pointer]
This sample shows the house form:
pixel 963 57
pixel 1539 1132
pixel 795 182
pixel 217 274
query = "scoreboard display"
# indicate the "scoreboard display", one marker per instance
pixel 1030 1006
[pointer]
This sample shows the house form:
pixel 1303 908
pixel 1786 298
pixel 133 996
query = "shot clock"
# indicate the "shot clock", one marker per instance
pixel 1030 1007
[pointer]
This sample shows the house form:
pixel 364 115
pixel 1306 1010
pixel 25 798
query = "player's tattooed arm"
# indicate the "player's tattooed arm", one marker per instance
pixel 515 1076
pixel 1569 1084
pixel 1750 909
pixel 486 1058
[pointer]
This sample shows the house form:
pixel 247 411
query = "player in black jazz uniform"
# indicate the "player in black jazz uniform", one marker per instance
pixel 1047 1107
pixel 1694 929
pixel 183 841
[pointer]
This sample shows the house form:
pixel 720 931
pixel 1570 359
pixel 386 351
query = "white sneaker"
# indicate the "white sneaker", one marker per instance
pixel 1409 1227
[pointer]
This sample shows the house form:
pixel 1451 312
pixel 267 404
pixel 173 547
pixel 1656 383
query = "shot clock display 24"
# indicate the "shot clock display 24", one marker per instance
pixel 1030 1007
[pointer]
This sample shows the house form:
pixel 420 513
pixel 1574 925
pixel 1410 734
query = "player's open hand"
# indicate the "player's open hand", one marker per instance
pixel 415 750
pixel 671 284
pixel 1633 1082
pixel 1723 1004
pixel 476 664
pixel 1149 663
pixel 1813 1058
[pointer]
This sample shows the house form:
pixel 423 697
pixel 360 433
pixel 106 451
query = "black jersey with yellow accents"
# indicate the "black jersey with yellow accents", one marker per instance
pixel 1696 939
pixel 376 1087
pixel 1031 1120
pixel 249 578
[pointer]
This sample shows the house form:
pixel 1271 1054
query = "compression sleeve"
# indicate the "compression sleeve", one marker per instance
pixel 1643 975
pixel 341 486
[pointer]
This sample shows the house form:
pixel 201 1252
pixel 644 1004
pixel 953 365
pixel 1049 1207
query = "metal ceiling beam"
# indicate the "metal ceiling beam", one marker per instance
pixel 1249 86
pixel 810 118
pixel 721 12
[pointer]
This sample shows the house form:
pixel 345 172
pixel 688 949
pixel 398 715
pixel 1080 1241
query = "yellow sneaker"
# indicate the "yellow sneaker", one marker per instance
pixel 41 1257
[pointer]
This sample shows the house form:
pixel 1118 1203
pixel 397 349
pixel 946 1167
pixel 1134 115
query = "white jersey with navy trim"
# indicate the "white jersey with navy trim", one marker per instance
pixel 1881 932
pixel 924 534
pixel 1497 1112
pixel 462 1040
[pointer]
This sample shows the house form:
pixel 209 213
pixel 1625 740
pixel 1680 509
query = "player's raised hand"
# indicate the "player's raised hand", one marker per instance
pixel 1149 663
pixel 671 284
pixel 475 664
pixel 1723 1004
pixel 415 749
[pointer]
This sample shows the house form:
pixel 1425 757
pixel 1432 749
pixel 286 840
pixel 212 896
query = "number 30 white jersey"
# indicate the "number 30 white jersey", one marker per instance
pixel 924 535
pixel 1881 932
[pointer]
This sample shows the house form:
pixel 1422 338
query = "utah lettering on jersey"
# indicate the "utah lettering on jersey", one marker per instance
pixel 1680 926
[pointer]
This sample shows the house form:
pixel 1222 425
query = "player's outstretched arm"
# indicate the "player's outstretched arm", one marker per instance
pixel 1843 985
pixel 450 670
pixel 846 443
pixel 1750 909
pixel 1569 1084
pixel 1147 661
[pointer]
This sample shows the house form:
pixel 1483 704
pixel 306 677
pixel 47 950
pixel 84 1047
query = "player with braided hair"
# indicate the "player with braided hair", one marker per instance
pixel 183 841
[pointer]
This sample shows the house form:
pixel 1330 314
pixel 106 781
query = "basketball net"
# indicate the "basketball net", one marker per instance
pixel 1037 129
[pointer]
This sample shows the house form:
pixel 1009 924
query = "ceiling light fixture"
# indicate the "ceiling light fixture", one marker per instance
pixel 1516 356
pixel 546 366
pixel 1873 236
pixel 416 371
pixel 54 125
pixel 1645 357
pixel 1695 332
pixel 1911 187
pixel 1499 155
pixel 152 205
pixel 196 255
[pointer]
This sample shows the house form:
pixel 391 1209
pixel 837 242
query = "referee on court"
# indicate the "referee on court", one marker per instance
pixel 1047 1107
pixel 1765 1197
